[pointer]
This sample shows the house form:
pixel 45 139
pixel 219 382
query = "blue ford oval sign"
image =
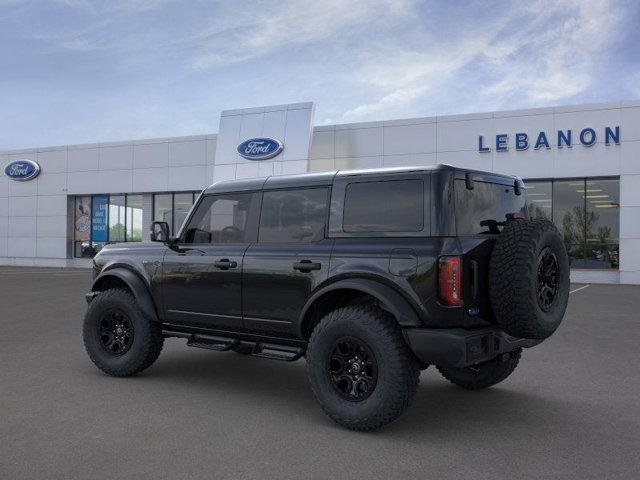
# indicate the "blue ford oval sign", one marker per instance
pixel 22 170
pixel 260 148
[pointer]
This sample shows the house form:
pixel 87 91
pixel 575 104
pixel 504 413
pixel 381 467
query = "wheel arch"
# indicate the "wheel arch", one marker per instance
pixel 346 291
pixel 119 277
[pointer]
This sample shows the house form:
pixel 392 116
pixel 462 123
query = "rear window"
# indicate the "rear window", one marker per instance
pixel 293 216
pixel 389 206
pixel 484 208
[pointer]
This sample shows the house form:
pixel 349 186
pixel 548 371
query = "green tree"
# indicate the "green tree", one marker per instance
pixel 116 233
pixel 577 223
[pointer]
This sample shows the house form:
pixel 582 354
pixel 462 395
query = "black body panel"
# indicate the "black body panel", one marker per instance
pixel 202 285
pixel 276 286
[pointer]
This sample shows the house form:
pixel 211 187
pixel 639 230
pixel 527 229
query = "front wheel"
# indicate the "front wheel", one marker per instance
pixel 360 369
pixel 119 339
pixel 485 374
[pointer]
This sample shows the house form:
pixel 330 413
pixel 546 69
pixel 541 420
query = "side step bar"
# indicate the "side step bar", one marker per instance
pixel 273 351
pixel 211 342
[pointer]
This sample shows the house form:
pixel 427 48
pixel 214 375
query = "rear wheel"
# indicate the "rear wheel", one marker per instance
pixel 360 369
pixel 119 339
pixel 483 375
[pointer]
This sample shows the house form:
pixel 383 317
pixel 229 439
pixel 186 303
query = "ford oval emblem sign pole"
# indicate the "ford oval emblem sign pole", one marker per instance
pixel 260 148
pixel 22 170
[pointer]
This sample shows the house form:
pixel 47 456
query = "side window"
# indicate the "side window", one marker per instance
pixel 293 215
pixel 224 218
pixel 386 206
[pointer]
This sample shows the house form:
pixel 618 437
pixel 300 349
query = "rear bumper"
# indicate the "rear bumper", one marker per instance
pixel 457 347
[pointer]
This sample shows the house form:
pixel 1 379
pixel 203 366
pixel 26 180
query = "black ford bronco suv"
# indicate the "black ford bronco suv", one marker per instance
pixel 370 275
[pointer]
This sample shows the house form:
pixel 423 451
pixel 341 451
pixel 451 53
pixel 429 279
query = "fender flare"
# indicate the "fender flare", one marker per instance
pixel 391 300
pixel 137 286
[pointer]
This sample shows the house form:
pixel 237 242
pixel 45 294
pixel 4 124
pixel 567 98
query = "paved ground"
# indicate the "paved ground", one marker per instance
pixel 571 410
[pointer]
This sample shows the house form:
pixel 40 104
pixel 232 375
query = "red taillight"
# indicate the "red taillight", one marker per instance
pixel 449 281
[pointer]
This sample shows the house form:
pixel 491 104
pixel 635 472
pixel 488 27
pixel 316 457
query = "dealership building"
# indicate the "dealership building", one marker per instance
pixel 581 165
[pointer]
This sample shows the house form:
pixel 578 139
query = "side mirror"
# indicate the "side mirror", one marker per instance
pixel 159 232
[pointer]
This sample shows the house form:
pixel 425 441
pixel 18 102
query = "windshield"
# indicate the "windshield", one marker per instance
pixel 483 210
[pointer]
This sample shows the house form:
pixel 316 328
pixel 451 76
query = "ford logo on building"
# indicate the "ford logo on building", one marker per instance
pixel 260 148
pixel 22 170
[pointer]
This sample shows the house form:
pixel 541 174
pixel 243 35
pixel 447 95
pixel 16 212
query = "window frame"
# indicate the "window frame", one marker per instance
pixel 336 218
pixel 325 226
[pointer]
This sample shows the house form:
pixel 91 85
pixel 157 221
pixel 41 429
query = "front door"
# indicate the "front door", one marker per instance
pixel 289 260
pixel 202 272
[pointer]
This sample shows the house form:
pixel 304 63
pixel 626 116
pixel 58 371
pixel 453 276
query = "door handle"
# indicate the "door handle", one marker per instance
pixel 306 266
pixel 225 264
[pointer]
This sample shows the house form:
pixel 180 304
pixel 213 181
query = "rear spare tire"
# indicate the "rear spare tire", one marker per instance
pixel 529 278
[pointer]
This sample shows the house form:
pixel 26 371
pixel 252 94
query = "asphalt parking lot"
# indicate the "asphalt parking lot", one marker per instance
pixel 571 409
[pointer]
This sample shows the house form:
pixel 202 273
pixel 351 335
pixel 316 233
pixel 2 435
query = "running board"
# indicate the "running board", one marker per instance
pixel 286 353
pixel 212 342
pixel 277 352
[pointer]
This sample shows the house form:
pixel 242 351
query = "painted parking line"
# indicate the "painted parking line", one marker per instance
pixel 579 288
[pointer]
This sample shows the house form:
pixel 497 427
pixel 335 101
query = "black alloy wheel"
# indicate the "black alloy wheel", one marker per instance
pixel 115 332
pixel 353 369
pixel 547 282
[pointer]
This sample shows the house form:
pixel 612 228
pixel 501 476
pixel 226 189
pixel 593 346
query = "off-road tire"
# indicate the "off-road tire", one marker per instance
pixel 514 278
pixel 484 374
pixel 147 335
pixel 398 371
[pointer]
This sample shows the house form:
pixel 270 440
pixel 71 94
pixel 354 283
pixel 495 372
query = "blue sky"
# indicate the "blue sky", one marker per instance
pixel 77 71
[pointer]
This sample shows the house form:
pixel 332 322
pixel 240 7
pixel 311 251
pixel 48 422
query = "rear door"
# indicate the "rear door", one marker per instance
pixel 289 260
pixel 481 209
pixel 202 273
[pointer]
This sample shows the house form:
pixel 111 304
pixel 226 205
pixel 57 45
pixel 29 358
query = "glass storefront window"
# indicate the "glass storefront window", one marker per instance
pixel 102 219
pixel 163 208
pixel 82 227
pixel 539 199
pixel 569 216
pixel 117 218
pixel 172 208
pixel 587 214
pixel 603 223
pixel 134 218
pixel 182 203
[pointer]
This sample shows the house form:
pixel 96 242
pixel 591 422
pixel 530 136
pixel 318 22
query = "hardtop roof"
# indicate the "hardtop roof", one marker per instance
pixel 326 178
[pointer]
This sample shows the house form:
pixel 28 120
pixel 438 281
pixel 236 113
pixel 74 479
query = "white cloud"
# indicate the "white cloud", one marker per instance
pixel 543 52
pixel 554 63
pixel 260 32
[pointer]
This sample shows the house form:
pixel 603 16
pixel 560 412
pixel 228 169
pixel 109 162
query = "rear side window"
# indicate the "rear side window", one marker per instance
pixel 484 209
pixel 293 215
pixel 388 206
